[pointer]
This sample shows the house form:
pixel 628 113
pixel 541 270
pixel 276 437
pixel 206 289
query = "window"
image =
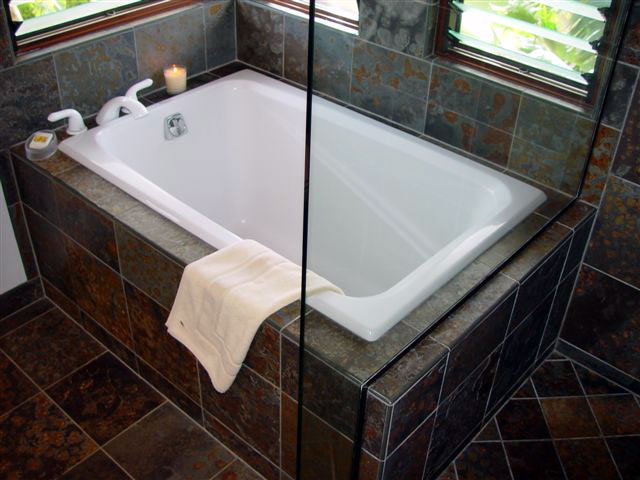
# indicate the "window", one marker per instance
pixel 553 45
pixel 342 12
pixel 40 23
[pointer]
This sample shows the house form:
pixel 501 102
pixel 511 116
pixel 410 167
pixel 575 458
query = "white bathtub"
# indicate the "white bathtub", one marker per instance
pixel 392 217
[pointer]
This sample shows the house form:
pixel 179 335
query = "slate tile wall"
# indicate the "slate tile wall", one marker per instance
pixel 388 71
pixel 602 326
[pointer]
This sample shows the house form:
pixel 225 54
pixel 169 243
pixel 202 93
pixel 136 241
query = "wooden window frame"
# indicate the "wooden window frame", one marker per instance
pixel 527 78
pixel 320 13
pixel 102 21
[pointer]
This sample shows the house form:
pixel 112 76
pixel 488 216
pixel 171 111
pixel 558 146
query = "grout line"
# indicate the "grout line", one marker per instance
pixel 546 422
pixel 113 439
pixel 504 448
pixel 590 369
pixel 104 352
pixel 28 321
pixel 513 133
pixel 122 285
pixel 612 277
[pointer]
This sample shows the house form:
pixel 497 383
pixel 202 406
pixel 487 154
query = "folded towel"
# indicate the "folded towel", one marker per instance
pixel 224 297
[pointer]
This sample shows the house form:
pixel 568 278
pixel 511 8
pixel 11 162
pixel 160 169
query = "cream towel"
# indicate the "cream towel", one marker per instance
pixel 224 297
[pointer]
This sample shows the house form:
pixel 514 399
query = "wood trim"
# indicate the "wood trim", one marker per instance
pixel 95 25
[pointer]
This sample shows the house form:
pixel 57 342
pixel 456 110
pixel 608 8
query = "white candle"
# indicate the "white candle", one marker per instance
pixel 176 78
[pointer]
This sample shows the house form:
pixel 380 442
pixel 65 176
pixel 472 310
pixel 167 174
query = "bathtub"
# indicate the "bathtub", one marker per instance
pixel 392 217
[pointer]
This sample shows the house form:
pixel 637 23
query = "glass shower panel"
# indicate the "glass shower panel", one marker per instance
pixel 425 176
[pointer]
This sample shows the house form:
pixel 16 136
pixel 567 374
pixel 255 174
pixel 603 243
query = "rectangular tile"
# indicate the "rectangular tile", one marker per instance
pixel 19 297
pixel 260 37
pixel 220 32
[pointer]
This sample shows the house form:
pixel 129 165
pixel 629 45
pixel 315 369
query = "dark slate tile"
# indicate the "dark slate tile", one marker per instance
pixel 522 419
pixel 625 164
pixel 55 165
pixel 519 352
pixel 595 384
pixel 50 347
pixel 239 471
pixel 455 91
pixel 7 57
pixel 86 225
pixel 535 287
pixel 36 190
pixel 97 190
pixel 558 310
pixel 604 320
pixel 489 433
pixel 599 164
pixel 498 107
pixel 531 460
pixel 147 268
pixel 288 434
pixel 169 390
pixel 370 467
pixel 616 414
pixel 43 441
pixel 93 73
pixel 29 94
pixel 492 144
pixel 174 39
pixel 526 390
pixel 586 459
pixel 15 388
pixel 61 301
pixel 407 461
pixel 24 315
pixel 81 277
pixel 23 240
pixel 556 379
pixel 375 431
pixel 615 235
pixel 169 237
pixel 619 95
pixel 104 398
pixel 479 339
pixel 449 473
pixel 153 343
pixel 578 245
pixel 97 467
pixel 260 37
pixel 400 26
pixel 192 82
pixel 19 297
pixel 483 460
pixel 296 39
pixel 569 417
pixel 450 127
pixel 220 32
pixel 251 408
pixel 167 443
pixel 445 297
pixel 468 402
pixel 332 62
pixel 624 452
pixel 7 179
pixel 285 315
pixel 416 405
pixel 630 47
pixel 264 354
pixel 289 367
pixel 257 461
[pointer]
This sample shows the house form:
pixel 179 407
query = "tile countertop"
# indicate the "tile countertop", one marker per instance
pixel 354 357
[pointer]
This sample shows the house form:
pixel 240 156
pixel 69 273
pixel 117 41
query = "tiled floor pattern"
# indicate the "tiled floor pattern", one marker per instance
pixel 564 423
pixel 69 409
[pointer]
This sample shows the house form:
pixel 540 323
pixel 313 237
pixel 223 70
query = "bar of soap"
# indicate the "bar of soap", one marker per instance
pixel 40 140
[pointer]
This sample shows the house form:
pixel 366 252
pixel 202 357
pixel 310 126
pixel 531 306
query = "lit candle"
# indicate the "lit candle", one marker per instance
pixel 176 78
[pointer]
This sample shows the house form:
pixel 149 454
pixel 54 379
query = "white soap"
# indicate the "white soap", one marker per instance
pixel 40 140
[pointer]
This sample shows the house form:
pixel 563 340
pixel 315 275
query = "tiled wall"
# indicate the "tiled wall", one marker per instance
pixel 602 329
pixel 388 71
pixel 86 75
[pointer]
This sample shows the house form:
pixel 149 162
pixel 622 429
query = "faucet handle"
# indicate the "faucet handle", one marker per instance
pixel 76 124
pixel 135 88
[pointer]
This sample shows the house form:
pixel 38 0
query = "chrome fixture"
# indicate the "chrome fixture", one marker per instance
pixel 174 126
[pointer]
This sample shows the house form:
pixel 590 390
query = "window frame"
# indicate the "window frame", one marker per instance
pixel 528 77
pixel 95 23
pixel 320 13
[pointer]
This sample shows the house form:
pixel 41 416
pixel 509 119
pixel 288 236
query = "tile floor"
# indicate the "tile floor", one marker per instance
pixel 70 409
pixel 564 423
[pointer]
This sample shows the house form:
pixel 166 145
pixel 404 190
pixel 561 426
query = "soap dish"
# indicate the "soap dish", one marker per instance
pixel 36 154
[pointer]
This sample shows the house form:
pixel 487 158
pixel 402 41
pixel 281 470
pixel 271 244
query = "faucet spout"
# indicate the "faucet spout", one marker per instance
pixel 111 110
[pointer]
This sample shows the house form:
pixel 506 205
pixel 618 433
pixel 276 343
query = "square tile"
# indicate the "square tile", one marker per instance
pixel 40 442
pixel 97 467
pixel 522 420
pixel 104 397
pixel 408 459
pixel 586 459
pixel 569 417
pixel 483 460
pixel 50 347
pixel 617 414
pixel 595 384
pixel 625 454
pixel 15 388
pixel 556 379
pixel 167 443
pixel 534 460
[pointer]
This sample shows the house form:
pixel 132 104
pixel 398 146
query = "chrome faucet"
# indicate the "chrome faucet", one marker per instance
pixel 128 104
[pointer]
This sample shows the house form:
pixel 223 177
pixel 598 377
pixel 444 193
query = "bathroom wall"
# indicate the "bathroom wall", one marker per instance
pixel 388 71
pixel 11 269
pixel 602 328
